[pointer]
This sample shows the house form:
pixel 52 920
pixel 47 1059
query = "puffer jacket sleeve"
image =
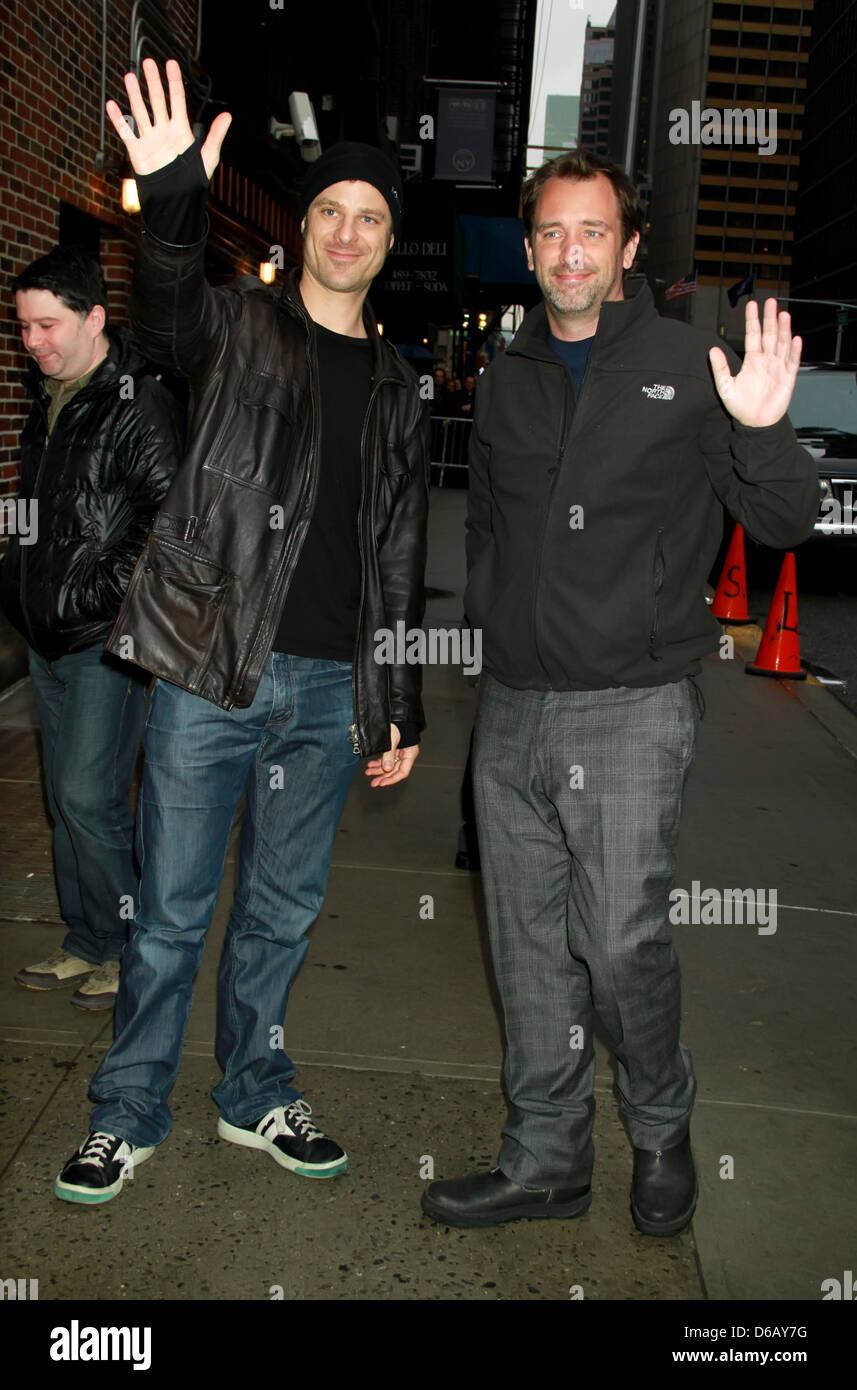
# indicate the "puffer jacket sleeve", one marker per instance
pixel 148 447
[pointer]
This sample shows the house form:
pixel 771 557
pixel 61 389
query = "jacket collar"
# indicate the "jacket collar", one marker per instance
pixel 387 365
pixel 123 356
pixel 618 317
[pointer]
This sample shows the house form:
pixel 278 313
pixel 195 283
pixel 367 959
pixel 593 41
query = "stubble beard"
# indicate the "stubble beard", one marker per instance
pixel 578 299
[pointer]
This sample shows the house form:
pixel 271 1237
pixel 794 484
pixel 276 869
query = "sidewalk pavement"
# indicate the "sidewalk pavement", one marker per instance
pixel 393 1023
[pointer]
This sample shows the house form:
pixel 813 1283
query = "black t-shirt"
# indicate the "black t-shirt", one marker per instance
pixel 319 618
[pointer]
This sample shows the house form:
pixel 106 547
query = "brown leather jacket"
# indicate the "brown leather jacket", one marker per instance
pixel 205 599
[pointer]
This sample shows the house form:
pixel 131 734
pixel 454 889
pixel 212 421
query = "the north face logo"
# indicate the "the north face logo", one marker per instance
pixel 659 393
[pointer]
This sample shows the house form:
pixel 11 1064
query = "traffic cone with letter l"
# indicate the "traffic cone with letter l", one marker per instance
pixel 730 601
pixel 779 649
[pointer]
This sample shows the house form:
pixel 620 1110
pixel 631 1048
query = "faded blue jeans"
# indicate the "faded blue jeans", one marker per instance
pixel 90 709
pixel 291 753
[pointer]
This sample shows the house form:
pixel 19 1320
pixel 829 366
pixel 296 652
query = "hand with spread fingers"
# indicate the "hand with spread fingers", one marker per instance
pixel 164 135
pixel 394 765
pixel 759 395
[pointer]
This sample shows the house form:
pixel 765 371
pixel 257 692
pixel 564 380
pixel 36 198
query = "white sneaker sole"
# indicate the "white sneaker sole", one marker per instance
pixel 71 1192
pixel 44 983
pixel 248 1140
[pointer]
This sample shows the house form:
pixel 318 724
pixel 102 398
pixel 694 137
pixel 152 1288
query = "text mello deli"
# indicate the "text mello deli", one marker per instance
pixel 76 1343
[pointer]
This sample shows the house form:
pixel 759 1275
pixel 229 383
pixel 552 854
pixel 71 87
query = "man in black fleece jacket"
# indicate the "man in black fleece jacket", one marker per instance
pixel 606 441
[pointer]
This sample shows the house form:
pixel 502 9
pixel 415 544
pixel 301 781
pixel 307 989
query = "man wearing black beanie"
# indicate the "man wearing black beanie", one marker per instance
pixel 294 530
pixel 351 160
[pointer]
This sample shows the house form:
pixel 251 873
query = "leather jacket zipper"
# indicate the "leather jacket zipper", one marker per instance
pixel 354 731
pixel 292 539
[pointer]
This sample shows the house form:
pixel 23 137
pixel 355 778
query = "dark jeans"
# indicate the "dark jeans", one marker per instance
pixel 91 711
pixel 578 797
pixel 291 753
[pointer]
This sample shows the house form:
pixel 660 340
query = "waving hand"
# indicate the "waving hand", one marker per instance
pixel 164 135
pixel 759 395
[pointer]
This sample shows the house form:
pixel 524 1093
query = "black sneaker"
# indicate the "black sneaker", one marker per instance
pixel 96 1172
pixel 292 1140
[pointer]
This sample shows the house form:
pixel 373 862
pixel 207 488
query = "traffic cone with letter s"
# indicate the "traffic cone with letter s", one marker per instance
pixel 779 649
pixel 730 601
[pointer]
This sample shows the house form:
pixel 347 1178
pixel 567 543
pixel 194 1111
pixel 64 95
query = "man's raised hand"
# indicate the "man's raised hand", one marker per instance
pixel 164 135
pixel 759 395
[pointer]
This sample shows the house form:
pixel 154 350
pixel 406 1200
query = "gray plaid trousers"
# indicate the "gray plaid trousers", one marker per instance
pixel 578 798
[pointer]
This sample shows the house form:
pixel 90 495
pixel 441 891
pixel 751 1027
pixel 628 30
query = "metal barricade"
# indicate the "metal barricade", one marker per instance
pixel 450 441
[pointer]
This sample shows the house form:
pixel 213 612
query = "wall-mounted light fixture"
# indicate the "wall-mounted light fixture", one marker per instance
pixel 130 196
pixel 267 272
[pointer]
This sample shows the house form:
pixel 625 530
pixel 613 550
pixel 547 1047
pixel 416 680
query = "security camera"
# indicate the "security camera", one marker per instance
pixel 277 129
pixel 306 130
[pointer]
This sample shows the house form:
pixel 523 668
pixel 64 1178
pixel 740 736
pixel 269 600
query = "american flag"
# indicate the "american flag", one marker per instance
pixel 685 286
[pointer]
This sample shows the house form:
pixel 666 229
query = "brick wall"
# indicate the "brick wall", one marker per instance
pixel 50 105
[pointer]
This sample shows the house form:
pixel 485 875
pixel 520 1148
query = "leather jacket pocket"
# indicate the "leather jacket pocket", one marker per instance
pixel 261 433
pixel 174 609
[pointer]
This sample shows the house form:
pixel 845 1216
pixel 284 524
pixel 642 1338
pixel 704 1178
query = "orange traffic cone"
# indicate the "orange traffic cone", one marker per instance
pixel 779 650
pixel 730 601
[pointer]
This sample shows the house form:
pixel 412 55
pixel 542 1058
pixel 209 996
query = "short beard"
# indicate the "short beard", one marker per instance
pixel 592 293
pixel 554 296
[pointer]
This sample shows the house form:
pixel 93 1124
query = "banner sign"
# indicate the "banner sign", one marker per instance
pixel 464 149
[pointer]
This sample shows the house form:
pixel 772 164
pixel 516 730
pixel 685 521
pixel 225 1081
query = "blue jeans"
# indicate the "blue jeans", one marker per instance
pixel 90 709
pixel 291 754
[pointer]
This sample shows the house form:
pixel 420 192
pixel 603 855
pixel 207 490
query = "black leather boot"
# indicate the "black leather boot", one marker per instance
pixel 488 1199
pixel 664 1189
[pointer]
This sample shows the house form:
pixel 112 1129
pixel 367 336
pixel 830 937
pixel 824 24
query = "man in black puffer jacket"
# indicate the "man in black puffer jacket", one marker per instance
pixel 102 442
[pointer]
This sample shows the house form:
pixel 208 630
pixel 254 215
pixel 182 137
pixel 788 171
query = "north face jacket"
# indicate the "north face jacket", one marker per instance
pixel 593 522
pixel 97 481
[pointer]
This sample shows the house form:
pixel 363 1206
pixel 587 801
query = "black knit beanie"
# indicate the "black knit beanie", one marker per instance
pixel 352 160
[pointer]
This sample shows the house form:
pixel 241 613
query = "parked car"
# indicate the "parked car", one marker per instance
pixel 823 411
